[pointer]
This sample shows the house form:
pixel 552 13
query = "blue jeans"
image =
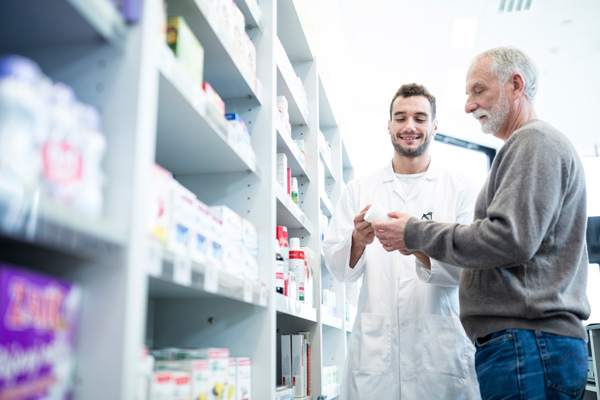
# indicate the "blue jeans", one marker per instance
pixel 528 365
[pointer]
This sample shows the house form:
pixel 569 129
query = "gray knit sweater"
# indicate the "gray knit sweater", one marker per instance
pixel 524 256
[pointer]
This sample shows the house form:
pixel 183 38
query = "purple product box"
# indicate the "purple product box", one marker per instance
pixel 130 9
pixel 38 321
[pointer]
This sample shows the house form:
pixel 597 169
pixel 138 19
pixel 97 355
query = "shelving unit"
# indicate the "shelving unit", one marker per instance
pixel 591 388
pixel 135 292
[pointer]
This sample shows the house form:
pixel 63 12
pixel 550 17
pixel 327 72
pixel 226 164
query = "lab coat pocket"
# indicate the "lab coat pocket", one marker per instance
pixel 445 349
pixel 371 344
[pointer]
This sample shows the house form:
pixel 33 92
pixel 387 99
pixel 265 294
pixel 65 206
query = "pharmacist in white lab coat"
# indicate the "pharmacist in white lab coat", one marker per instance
pixel 407 341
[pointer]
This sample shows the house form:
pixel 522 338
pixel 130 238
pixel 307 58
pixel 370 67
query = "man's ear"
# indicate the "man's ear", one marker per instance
pixel 517 85
pixel 389 127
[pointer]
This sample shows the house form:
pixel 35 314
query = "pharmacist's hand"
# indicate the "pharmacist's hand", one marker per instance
pixel 391 233
pixel 363 233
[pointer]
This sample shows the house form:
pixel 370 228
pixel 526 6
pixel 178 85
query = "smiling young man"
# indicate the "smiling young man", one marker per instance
pixel 523 286
pixel 407 341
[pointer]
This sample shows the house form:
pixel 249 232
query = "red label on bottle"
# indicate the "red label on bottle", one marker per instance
pixel 296 254
pixel 62 162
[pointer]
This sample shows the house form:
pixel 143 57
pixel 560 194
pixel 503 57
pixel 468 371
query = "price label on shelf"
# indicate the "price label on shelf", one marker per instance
pixel 211 280
pixel 182 271
pixel 154 258
pixel 248 292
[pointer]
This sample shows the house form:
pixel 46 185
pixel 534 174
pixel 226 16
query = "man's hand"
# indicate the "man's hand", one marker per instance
pixel 391 233
pixel 362 235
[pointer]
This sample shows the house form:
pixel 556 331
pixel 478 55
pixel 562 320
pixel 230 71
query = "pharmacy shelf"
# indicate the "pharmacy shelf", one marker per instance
pixel 188 140
pixel 46 224
pixel 286 305
pixel 331 321
pixel 58 22
pixel 593 332
pixel 289 24
pixel 289 214
pixel 251 12
pixel 326 205
pixel 180 277
pixel 226 75
pixel 152 112
pixel 286 145
pixel 328 168
pixel 332 391
pixel 286 87
pixel 327 117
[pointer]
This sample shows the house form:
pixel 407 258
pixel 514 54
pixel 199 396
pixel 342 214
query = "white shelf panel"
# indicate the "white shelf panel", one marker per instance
pixel 290 31
pixel 104 17
pixel 331 321
pixel 251 12
pixel 179 277
pixel 286 145
pixel 188 141
pixel 286 305
pixel 326 205
pixel 289 214
pixel 332 391
pixel 226 75
pixel 47 224
pixel 286 87
pixel 30 23
pixel 326 115
pixel 328 169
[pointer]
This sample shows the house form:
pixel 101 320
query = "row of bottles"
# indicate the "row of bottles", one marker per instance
pixel 50 143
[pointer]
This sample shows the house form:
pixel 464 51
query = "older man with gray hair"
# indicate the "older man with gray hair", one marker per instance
pixel 523 285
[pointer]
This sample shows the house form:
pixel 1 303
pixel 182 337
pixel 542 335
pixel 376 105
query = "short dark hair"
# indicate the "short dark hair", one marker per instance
pixel 413 89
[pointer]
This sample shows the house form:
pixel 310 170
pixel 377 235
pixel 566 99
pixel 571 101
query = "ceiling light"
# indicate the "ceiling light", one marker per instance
pixel 510 6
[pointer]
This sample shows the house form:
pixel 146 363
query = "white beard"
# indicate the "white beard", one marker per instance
pixel 496 116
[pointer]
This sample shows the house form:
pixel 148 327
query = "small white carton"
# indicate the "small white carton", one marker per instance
pixel 179 235
pixel 159 202
pixel 286 360
pixel 281 170
pixel 243 378
pixel 201 235
pixel 249 237
pixel 299 378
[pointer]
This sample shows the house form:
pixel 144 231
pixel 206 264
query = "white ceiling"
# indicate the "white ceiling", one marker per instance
pixel 368 51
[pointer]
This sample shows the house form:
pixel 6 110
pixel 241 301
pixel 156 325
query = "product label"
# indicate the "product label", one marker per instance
pixel 38 317
pixel 62 162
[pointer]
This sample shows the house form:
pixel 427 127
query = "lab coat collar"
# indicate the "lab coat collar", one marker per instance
pixel 433 172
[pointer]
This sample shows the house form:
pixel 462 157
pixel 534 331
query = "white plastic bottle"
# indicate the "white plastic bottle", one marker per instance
pixel 62 167
pixel 90 199
pixel 22 111
pixel 297 266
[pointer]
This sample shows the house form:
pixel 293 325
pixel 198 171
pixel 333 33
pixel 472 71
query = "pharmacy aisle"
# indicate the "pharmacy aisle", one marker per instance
pixel 149 155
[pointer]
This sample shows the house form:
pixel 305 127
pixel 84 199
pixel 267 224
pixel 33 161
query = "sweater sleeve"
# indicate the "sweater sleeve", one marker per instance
pixel 441 273
pixel 513 212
